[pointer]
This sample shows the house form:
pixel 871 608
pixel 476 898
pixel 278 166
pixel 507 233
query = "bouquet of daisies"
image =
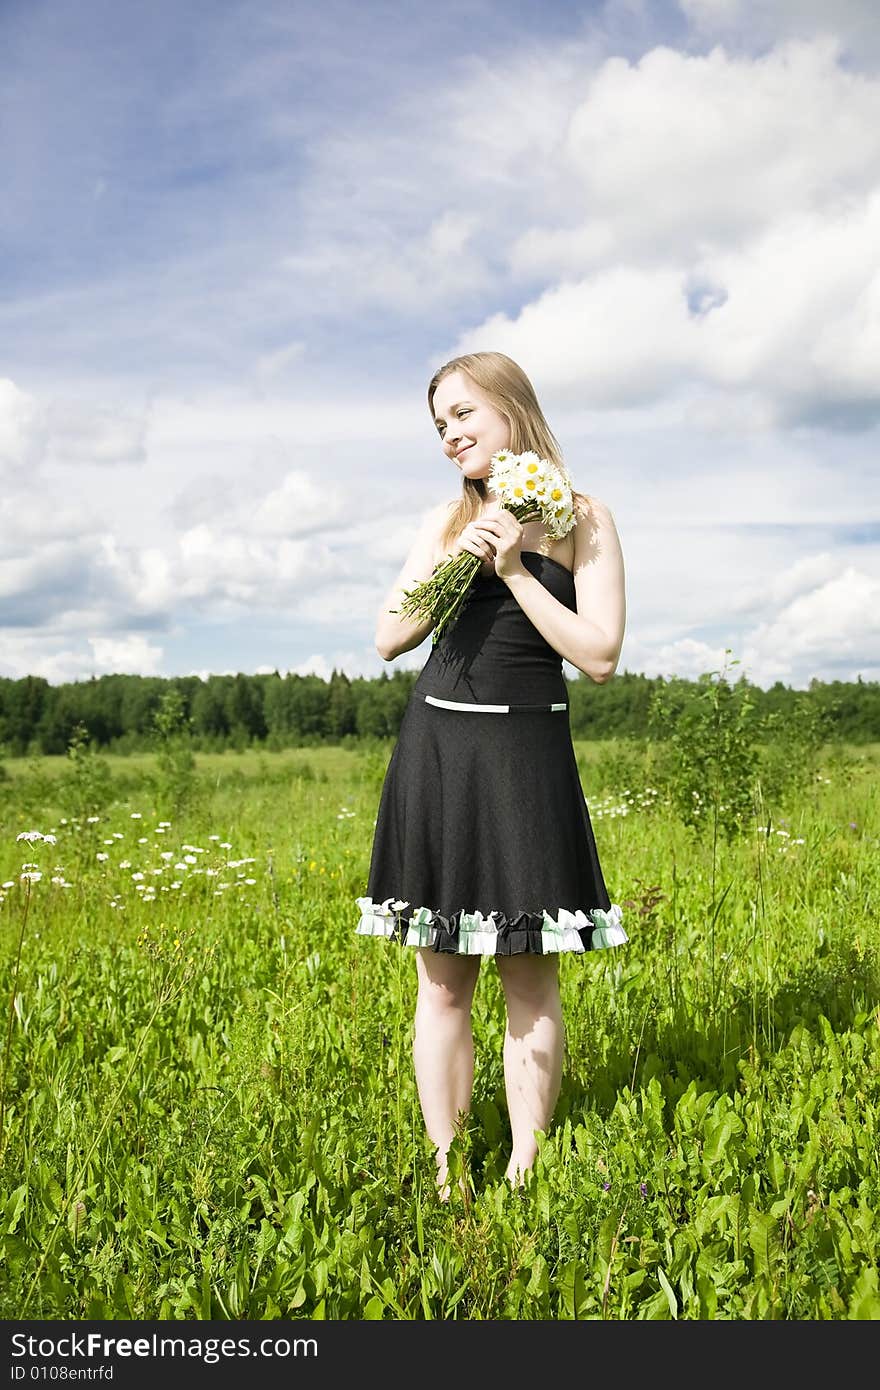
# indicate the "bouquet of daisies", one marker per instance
pixel 528 486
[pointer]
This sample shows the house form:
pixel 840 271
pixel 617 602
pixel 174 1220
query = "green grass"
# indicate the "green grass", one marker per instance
pixel 210 1106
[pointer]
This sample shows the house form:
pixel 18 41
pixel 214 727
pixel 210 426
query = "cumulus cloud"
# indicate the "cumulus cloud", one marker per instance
pixel 798 325
pixel 835 626
pixel 756 23
pixel 129 653
pixel 35 432
pixel 48 652
pixel 23 430
pixel 82 432
pixel 323 664
pixel 731 243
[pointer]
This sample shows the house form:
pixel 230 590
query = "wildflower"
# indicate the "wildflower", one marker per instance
pixel 136 815
pixel 32 835
pixel 606 1187
pixel 643 1188
pixel 99 856
pixel 31 876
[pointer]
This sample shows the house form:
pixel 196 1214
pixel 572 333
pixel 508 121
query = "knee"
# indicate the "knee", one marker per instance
pixel 449 998
pixel 531 986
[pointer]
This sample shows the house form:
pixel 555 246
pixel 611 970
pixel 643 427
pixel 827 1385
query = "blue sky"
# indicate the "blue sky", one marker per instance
pixel 238 238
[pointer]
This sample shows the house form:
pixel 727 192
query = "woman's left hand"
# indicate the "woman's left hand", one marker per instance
pixel 504 533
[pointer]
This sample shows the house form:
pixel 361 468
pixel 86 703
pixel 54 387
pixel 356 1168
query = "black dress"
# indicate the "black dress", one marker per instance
pixel 483 842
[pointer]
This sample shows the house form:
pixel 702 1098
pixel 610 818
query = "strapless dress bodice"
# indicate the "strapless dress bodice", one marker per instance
pixel 493 653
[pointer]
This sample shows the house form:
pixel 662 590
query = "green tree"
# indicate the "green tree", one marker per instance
pixel 711 732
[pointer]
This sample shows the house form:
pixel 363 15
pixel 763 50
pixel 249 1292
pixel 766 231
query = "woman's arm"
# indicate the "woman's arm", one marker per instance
pixel 590 639
pixel 395 635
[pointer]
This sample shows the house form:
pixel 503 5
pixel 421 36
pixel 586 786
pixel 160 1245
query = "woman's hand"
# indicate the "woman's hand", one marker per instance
pixel 496 535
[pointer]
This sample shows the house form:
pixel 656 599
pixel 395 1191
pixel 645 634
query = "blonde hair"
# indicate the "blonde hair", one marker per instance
pixel 510 392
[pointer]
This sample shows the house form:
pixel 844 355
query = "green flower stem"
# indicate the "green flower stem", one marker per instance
pixel 441 597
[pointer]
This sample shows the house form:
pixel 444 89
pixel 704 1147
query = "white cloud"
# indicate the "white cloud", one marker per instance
pixel 837 624
pixel 271 365
pixel 304 504
pixel 82 432
pixel 34 432
pixel 799 325
pixel 48 652
pixel 323 664
pixel 690 658
pixel 23 429
pixel 756 23
pixel 775 590
pixel 132 653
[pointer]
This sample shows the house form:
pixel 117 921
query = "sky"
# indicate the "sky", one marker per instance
pixel 237 237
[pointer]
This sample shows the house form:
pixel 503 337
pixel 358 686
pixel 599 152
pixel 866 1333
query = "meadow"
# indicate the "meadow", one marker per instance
pixel 208 1102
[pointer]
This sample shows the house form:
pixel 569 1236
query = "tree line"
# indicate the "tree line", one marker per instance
pixel 275 711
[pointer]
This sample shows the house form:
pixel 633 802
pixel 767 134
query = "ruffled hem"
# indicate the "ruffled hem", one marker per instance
pixel 472 934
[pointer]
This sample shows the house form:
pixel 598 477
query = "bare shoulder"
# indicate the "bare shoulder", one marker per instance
pixel 592 513
pixel 595 534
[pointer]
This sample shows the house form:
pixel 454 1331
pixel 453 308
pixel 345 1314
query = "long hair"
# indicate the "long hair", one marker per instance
pixel 511 393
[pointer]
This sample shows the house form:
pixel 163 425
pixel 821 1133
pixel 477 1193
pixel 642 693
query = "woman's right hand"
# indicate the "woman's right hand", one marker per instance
pixel 476 540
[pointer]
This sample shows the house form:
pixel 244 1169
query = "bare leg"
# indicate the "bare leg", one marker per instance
pixel 533 1051
pixel 443 1045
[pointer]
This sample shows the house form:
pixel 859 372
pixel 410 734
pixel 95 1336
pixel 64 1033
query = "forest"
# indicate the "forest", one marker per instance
pixel 275 711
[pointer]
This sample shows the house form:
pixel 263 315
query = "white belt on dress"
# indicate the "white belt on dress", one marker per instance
pixel 493 709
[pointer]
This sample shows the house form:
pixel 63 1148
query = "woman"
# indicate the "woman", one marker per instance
pixel 483 843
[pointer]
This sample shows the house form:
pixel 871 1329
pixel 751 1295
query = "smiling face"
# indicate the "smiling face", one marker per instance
pixel 470 427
